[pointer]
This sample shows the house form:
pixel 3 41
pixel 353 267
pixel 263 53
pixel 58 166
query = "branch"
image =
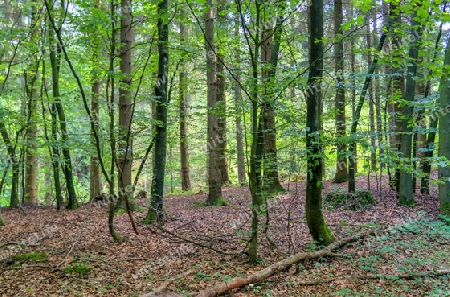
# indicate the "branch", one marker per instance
pixel 282 265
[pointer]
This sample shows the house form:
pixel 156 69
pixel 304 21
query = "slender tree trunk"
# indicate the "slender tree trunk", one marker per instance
pixel 55 60
pixel 341 174
pixel 221 33
pixel 238 116
pixel 406 180
pixel 354 162
pixel 314 217
pixel 444 136
pixel 125 157
pixel 155 212
pixel 31 78
pixel 214 173
pixel 357 115
pixel 373 151
pixel 379 121
pixel 94 167
pixel 184 148
pixel 429 143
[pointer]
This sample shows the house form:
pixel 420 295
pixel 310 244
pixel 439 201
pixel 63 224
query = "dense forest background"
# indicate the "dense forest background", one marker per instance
pixel 108 102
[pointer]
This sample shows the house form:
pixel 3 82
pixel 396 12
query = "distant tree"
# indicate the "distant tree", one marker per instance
pixel 184 151
pixel 214 173
pixel 341 174
pixel 125 142
pixel 444 136
pixel 406 179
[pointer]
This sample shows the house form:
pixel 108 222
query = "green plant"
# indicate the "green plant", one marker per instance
pixel 79 268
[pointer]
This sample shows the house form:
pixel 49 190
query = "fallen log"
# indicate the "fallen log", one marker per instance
pixel 283 265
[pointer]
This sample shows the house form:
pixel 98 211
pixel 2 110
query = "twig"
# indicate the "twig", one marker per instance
pixel 162 288
pixel 65 258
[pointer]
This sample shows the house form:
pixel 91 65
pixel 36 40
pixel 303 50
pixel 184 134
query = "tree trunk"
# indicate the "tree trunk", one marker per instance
pixel 94 167
pixel 125 156
pixel 67 166
pixel 314 217
pixel 406 180
pixel 214 173
pixel 32 90
pixel 155 212
pixel 341 174
pixel 221 33
pixel 184 148
pixel 373 151
pixel 357 114
pixel 240 158
pixel 444 136
pixel 429 142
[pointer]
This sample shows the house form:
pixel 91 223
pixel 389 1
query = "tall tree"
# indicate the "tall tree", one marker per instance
pixel 341 174
pixel 32 90
pixel 314 216
pixel 214 176
pixel 240 154
pixel 444 136
pixel 406 187
pixel 94 167
pixel 184 152
pixel 125 143
pixel 270 49
pixel 55 61
pixel 221 33
pixel 155 212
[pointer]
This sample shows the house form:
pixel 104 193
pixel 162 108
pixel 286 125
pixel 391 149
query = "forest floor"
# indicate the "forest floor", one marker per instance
pixel 408 256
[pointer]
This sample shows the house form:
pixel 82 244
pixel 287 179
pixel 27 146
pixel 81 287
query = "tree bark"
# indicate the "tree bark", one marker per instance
pixel 406 179
pixel 318 228
pixel 94 167
pixel 155 212
pixel 240 158
pixel 125 143
pixel 341 174
pixel 184 148
pixel 214 173
pixel 444 136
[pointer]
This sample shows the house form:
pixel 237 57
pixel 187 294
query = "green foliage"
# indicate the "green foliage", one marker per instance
pixel 359 200
pixel 35 257
pixel 79 268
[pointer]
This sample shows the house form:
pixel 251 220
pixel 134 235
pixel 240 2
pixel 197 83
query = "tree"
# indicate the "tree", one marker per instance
pixel 341 174
pixel 125 143
pixel 184 152
pixel 55 61
pixel 94 167
pixel 214 173
pixel 240 154
pixel 314 216
pixel 406 179
pixel 444 136
pixel 155 212
pixel 221 32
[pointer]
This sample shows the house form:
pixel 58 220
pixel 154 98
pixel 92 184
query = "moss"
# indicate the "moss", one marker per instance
pixel 445 209
pixel 350 201
pixel 80 268
pixel 36 257
pixel 410 202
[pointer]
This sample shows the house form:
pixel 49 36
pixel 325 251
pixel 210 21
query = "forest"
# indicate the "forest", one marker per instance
pixel 218 147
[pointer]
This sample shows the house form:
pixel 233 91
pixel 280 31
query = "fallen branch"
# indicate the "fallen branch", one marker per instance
pixel 282 265
pixel 162 291
pixel 407 276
